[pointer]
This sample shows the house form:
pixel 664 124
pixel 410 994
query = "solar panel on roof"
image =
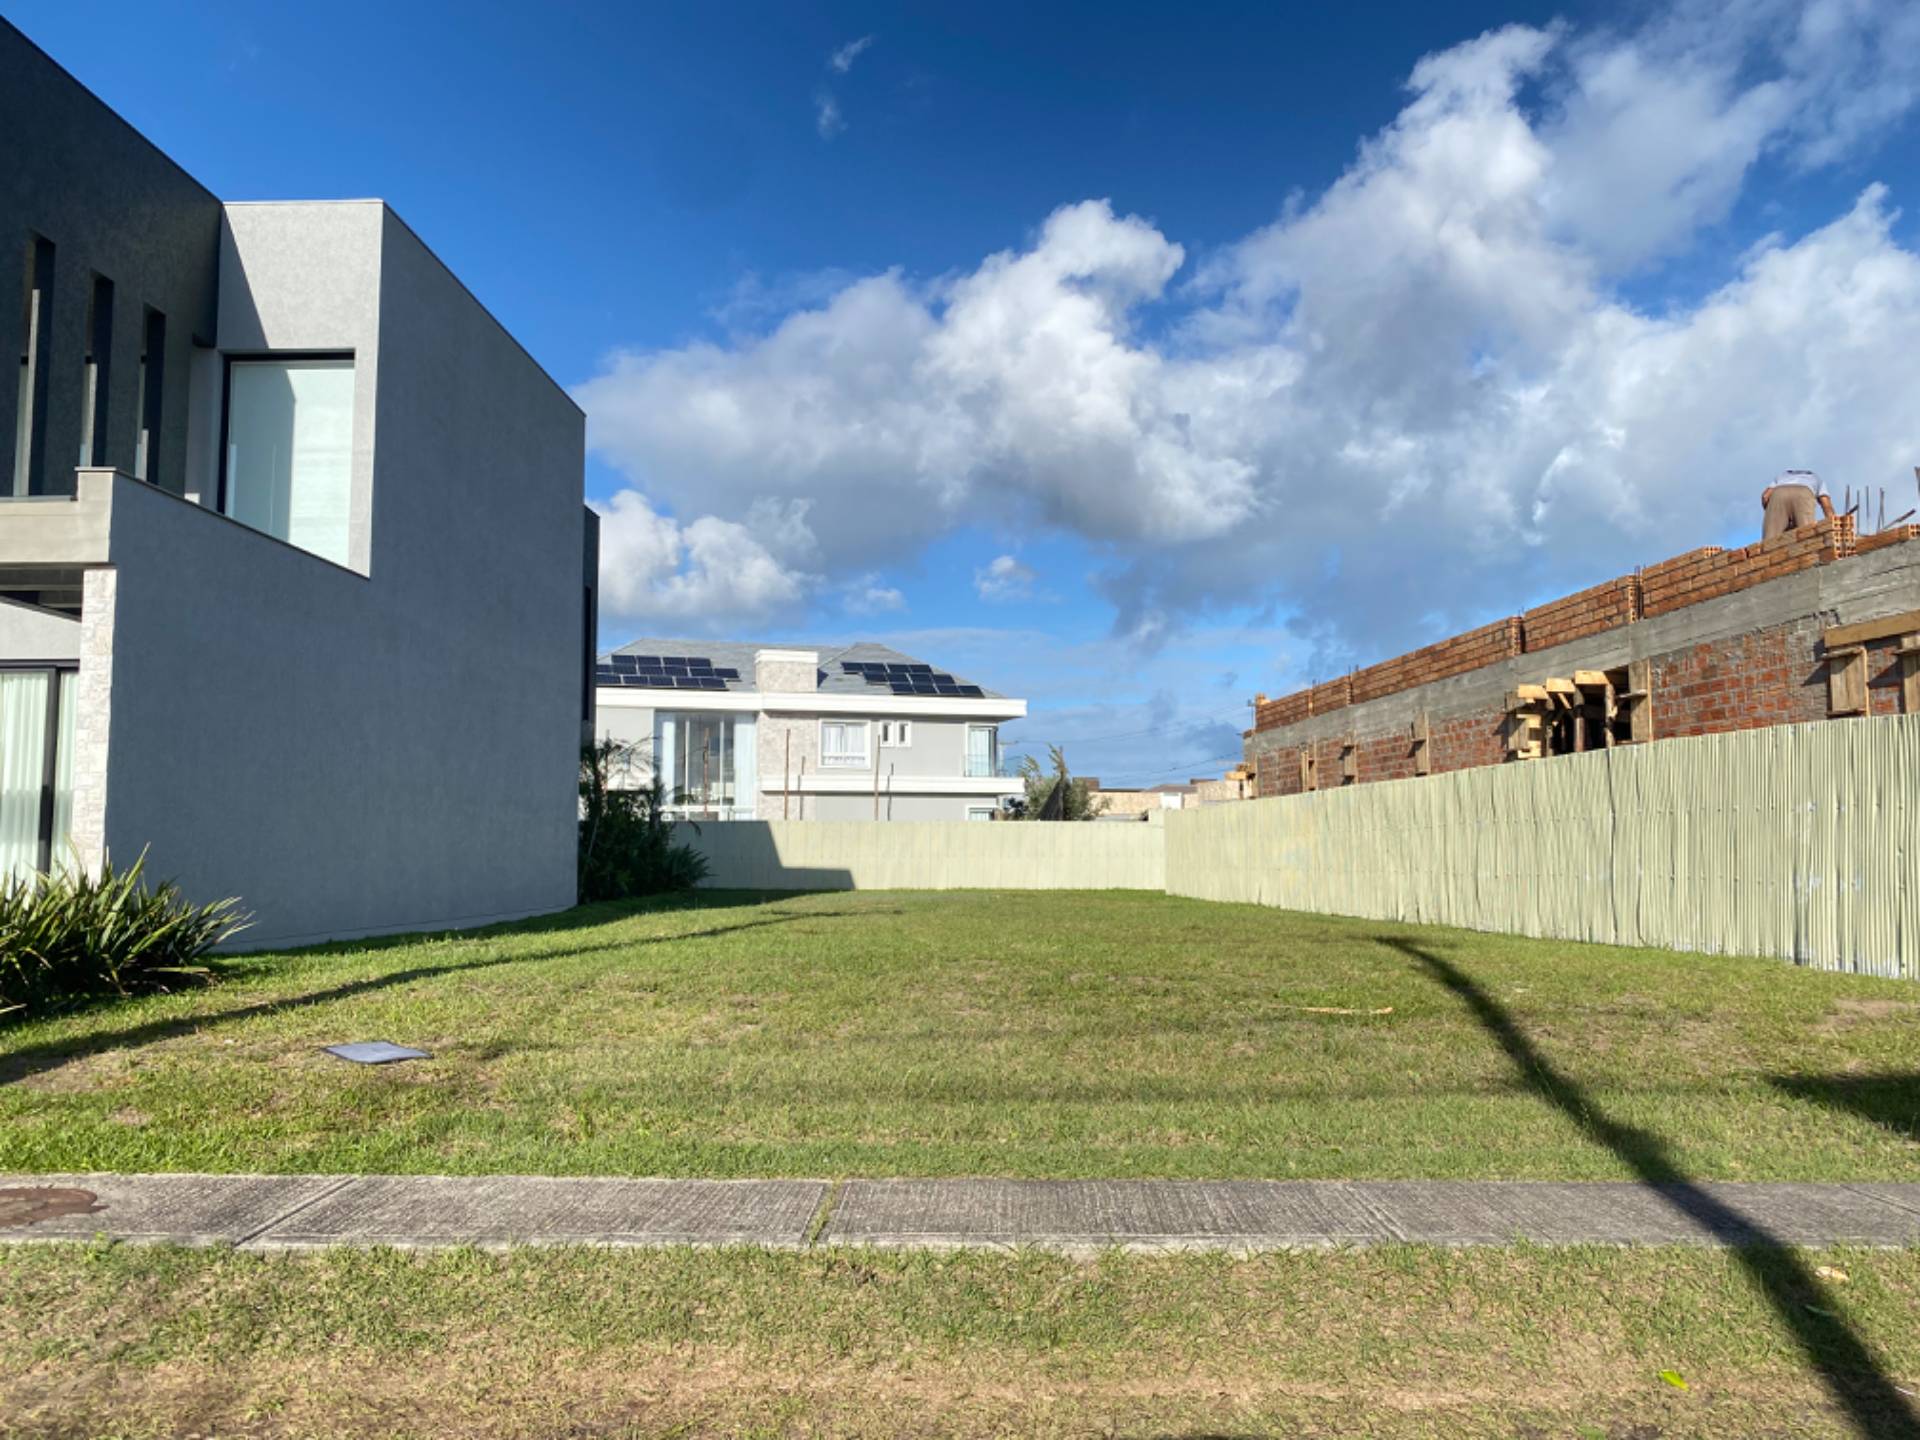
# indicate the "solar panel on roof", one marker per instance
pixel 941 678
pixel 973 690
pixel 728 674
pixel 921 669
pixel 949 688
pixel 623 662
pixel 711 682
pixel 902 687
pixel 644 660
pixel 685 682
pixel 700 660
pixel 658 681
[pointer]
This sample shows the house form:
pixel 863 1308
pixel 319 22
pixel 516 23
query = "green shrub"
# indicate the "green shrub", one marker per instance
pixel 626 840
pixel 75 935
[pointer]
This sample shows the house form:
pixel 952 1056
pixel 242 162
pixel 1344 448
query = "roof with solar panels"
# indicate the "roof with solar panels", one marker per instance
pixel 728 665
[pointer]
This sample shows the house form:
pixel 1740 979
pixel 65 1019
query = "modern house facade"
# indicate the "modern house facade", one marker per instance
pixel 296 581
pixel 738 731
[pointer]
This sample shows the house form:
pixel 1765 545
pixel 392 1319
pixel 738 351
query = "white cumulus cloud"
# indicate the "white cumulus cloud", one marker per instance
pixel 1420 394
pixel 708 569
pixel 1003 578
pixel 868 595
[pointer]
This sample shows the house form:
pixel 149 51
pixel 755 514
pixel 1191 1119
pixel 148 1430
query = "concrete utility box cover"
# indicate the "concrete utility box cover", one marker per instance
pixel 375 1052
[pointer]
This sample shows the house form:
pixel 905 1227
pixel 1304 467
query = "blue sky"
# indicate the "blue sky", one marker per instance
pixel 1135 360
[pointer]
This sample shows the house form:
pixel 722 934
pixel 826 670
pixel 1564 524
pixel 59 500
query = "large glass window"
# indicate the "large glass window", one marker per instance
pixel 983 751
pixel 36 770
pixel 706 762
pixel 289 462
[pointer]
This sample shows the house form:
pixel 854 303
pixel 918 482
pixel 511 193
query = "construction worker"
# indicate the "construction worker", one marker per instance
pixel 1795 500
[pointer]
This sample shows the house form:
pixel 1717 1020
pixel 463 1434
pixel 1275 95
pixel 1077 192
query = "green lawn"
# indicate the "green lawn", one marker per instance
pixel 1030 1034
pixel 1393 1342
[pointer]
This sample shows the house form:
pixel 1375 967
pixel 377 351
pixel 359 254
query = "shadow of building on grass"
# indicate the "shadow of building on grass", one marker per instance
pixel 31 1060
pixel 1846 1366
pixel 1891 1100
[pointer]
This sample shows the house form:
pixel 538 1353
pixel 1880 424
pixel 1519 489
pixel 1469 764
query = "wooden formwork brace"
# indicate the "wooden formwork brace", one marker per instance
pixel 1638 700
pixel 1526 714
pixel 1909 653
pixel 1307 768
pixel 1422 745
pixel 1350 759
pixel 1597 689
pixel 1847 680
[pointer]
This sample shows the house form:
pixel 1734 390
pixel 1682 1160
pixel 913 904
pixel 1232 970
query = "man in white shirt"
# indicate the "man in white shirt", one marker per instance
pixel 1795 500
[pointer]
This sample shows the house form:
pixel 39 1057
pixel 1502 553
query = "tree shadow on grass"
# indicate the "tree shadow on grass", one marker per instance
pixel 1888 1100
pixel 1845 1365
pixel 34 1060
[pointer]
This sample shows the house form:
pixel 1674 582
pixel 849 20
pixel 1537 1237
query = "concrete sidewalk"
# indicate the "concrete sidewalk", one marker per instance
pixel 301 1212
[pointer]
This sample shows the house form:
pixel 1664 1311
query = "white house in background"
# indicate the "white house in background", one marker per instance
pixel 844 732
pixel 296 574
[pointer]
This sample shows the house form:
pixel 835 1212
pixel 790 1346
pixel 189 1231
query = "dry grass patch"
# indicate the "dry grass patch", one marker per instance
pixel 1393 1342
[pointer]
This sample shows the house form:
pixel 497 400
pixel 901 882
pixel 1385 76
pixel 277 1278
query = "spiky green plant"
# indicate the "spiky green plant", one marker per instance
pixel 627 848
pixel 78 934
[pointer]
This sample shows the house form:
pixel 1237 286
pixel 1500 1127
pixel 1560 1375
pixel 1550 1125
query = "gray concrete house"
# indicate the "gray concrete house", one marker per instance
pixel 843 732
pixel 296 581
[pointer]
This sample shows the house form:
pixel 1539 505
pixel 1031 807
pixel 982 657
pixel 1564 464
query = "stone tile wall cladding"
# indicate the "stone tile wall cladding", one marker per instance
pixel 1774 674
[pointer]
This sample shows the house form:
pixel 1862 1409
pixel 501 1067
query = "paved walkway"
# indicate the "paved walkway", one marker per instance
pixel 302 1212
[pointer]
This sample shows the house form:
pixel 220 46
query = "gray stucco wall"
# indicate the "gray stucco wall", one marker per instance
pixel 74 173
pixel 30 634
pixel 360 753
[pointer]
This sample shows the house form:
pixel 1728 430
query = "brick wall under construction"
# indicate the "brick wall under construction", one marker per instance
pixel 1720 640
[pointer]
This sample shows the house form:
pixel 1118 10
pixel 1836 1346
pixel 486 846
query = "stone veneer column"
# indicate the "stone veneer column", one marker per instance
pixel 785 672
pixel 93 701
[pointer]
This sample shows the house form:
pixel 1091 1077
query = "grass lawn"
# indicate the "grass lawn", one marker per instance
pixel 1024 1034
pixel 1398 1341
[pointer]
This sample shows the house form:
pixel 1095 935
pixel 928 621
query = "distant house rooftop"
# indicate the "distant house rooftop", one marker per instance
pixel 859 668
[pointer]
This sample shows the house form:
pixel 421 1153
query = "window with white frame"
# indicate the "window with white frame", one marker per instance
pixel 980 812
pixel 983 751
pixel 895 733
pixel 843 745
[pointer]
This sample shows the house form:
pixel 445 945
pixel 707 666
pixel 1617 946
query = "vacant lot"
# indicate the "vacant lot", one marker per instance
pixel 1027 1034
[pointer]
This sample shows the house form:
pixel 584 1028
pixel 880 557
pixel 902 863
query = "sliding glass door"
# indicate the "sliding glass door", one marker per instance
pixel 706 762
pixel 36 769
